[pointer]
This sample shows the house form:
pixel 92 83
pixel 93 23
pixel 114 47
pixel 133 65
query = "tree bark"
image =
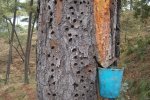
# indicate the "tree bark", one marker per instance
pixel 66 69
pixel 66 48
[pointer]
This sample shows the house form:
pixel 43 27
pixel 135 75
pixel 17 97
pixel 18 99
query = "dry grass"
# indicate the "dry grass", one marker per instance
pixel 16 89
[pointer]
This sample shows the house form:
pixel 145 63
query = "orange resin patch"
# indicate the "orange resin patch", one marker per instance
pixel 103 29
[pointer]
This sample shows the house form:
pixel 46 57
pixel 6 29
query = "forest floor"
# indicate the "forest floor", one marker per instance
pixel 135 57
pixel 16 89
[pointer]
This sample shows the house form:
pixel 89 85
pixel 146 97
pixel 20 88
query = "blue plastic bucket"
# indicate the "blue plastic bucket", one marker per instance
pixel 110 82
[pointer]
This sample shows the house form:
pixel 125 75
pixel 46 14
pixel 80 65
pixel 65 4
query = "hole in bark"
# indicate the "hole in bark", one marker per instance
pixel 55 2
pixel 48 55
pixel 118 43
pixel 52 32
pixel 54 94
pixel 89 71
pixel 53 83
pixel 51 19
pixel 76 35
pixel 82 76
pixel 72 26
pixel 80 2
pixel 76 95
pixel 78 72
pixel 51 13
pixel 81 12
pixel 84 86
pixel 56 58
pixel 70 39
pixel 48 93
pixel 94 57
pixel 82 63
pixel 75 57
pixel 80 21
pixel 66 28
pixel 83 94
pixel 74 20
pixel 68 18
pixel 72 13
pixel 52 76
pixel 74 50
pixel 75 64
pixel 75 2
pixel 52 70
pixel 84 2
pixel 52 64
pixel 52 47
pixel 71 8
pixel 69 34
pixel 92 83
pixel 49 7
pixel 75 85
pixel 42 31
pixel 81 80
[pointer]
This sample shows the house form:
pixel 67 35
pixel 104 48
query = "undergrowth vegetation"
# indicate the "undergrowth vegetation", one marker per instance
pixel 135 47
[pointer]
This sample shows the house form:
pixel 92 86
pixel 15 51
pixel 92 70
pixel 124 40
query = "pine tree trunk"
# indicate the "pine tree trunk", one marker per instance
pixel 28 47
pixel 66 48
pixel 11 44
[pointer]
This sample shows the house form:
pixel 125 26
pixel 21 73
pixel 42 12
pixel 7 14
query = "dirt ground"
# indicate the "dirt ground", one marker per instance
pixel 16 89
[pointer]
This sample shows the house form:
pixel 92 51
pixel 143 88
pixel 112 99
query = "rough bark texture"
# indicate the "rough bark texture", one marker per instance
pixel 115 25
pixel 66 69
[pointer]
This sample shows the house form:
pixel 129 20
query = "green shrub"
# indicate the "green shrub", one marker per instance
pixel 142 90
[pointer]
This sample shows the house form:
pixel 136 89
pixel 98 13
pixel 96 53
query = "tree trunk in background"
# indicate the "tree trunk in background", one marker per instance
pixel 11 44
pixel 66 68
pixel 28 46
pixel 32 29
pixel 131 5
pixel 33 25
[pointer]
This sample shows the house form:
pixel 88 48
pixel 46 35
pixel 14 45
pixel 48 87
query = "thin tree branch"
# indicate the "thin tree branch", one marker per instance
pixel 15 34
pixel 18 53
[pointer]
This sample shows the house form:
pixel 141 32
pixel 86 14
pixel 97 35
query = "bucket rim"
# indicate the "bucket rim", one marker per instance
pixel 112 68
